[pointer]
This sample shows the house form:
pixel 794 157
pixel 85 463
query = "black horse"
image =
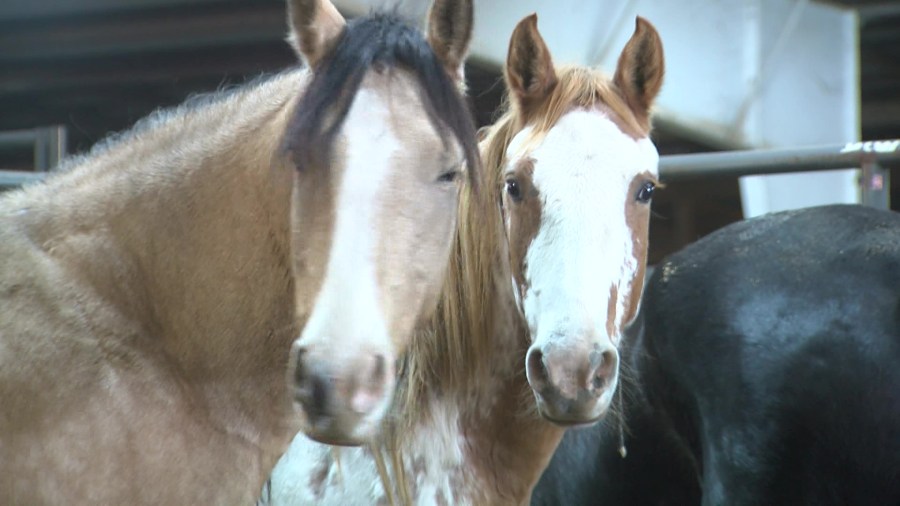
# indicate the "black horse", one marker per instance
pixel 764 370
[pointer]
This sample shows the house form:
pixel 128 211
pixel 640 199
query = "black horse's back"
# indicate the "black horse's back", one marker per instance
pixel 782 334
pixel 771 349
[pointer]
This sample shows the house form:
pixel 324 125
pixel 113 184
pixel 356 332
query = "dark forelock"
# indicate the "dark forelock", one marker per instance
pixel 377 39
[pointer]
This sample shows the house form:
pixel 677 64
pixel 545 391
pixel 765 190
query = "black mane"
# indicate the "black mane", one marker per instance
pixel 376 40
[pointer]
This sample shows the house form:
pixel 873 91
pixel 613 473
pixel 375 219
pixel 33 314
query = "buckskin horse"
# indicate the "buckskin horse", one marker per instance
pixel 547 268
pixel 764 372
pixel 151 291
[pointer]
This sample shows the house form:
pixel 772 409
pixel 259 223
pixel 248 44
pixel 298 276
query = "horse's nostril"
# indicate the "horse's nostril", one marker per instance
pixel 299 367
pixel 318 398
pixel 536 369
pixel 599 382
pixel 312 388
pixel 372 385
pixel 605 370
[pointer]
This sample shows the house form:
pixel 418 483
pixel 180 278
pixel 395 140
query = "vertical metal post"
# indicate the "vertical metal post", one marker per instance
pixel 875 185
pixel 58 145
pixel 49 147
pixel 41 150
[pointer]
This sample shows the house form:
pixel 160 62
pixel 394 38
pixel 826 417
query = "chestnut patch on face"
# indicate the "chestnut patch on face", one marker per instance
pixel 522 203
pixel 637 218
pixel 611 311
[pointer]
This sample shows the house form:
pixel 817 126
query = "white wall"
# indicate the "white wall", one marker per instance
pixel 739 73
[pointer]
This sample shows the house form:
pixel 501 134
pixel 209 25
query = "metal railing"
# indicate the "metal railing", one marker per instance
pixel 12 178
pixel 48 144
pixel 875 158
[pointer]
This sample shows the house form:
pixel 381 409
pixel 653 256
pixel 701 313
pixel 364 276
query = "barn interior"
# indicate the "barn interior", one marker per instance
pixel 88 68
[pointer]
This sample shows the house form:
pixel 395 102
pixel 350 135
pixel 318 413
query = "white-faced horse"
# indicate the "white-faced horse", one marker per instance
pixel 548 264
pixel 763 371
pixel 150 293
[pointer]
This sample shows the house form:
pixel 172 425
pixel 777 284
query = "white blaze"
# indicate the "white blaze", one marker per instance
pixel 347 307
pixel 583 169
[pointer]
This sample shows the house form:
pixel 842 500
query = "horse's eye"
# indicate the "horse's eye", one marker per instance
pixel 512 188
pixel 449 176
pixel 645 193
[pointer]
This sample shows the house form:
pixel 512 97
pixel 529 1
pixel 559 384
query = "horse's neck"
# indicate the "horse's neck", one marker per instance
pixel 508 441
pixel 183 229
pixel 504 444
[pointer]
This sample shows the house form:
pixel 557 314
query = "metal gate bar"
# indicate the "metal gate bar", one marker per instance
pixel 779 161
pixel 49 144
pixel 873 157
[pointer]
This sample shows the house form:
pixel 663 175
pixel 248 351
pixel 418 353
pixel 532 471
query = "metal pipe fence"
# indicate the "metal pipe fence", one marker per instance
pixel 875 158
pixel 12 178
pixel 48 145
pixel 779 161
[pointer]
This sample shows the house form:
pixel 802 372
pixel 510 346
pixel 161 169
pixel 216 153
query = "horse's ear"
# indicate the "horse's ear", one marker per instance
pixel 449 33
pixel 315 27
pixel 530 75
pixel 639 73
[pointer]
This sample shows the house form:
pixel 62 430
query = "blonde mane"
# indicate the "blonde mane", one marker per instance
pixel 452 354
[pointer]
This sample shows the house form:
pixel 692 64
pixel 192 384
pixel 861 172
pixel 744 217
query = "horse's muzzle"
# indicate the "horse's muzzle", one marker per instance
pixel 341 405
pixel 573 385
